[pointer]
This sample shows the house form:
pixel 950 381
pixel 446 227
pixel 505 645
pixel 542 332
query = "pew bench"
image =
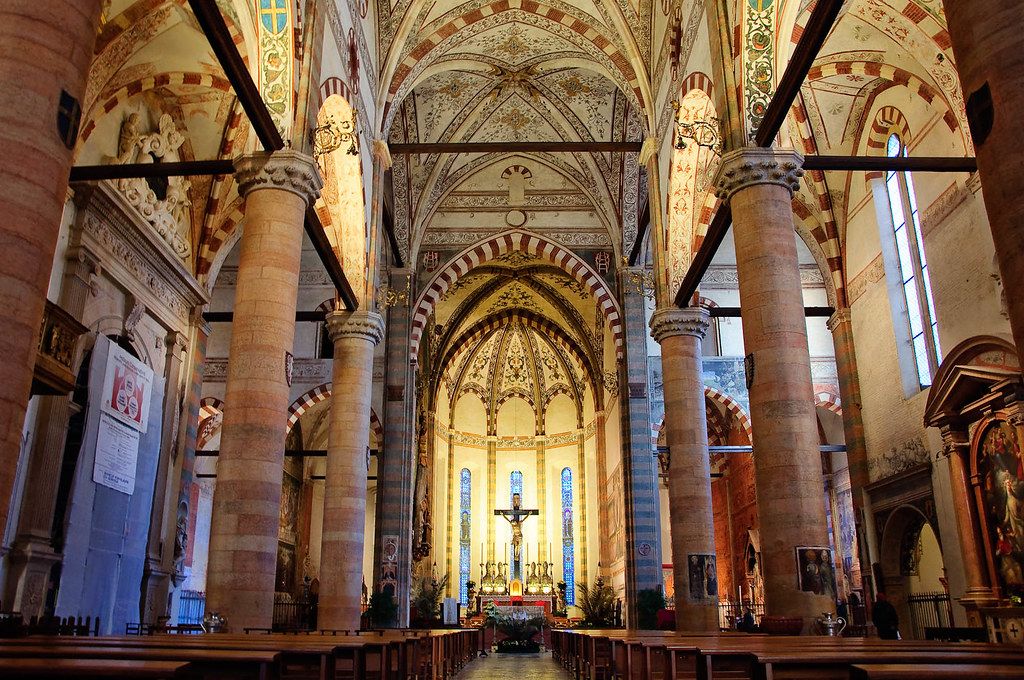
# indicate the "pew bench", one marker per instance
pixel 929 671
pixel 39 668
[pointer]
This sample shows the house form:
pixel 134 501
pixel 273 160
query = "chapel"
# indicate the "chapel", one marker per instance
pixel 697 316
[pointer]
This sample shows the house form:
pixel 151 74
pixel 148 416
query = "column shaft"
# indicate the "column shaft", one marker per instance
pixel 787 463
pixel 988 43
pixel 246 504
pixel 689 477
pixel 396 464
pixel 643 548
pixel 46 47
pixel 542 499
pixel 978 586
pixel 355 335
pixel 841 325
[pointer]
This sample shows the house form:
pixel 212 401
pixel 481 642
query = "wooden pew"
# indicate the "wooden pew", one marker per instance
pixel 40 668
pixel 206 663
pixel 951 671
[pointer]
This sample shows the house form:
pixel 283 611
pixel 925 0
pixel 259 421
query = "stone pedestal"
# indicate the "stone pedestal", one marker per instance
pixel 988 43
pixel 355 334
pixel 46 48
pixel 246 505
pixel 759 185
pixel 680 332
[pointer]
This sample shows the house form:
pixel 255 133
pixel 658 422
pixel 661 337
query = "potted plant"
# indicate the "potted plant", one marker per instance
pixel 648 603
pixel 427 593
pixel 382 610
pixel 597 604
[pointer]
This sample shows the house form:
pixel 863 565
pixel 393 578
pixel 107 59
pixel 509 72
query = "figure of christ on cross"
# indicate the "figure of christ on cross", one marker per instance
pixel 515 516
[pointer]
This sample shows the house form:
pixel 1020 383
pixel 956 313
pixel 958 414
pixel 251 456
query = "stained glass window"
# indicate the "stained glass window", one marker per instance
pixel 568 546
pixel 465 499
pixel 917 287
pixel 515 485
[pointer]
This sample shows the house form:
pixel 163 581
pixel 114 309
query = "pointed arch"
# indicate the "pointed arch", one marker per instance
pixel 315 396
pixel 501 244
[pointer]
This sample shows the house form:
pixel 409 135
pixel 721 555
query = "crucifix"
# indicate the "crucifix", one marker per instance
pixel 515 516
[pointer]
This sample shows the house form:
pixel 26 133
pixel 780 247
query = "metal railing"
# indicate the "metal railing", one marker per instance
pixel 927 610
pixel 729 613
pixel 191 608
pixel 294 614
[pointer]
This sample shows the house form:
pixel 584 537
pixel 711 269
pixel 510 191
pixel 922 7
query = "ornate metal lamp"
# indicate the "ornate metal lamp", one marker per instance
pixel 333 134
pixel 706 133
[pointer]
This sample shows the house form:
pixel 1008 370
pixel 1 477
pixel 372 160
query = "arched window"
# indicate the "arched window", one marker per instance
pixel 568 545
pixel 913 266
pixel 465 500
pixel 515 485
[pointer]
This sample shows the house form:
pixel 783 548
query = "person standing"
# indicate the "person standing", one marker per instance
pixel 885 618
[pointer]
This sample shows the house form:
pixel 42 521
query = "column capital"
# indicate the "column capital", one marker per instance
pixel 751 166
pixel 840 317
pixel 669 322
pixel 344 324
pixel 286 169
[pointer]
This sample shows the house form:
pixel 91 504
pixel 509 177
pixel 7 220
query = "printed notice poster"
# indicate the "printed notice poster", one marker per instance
pixel 126 389
pixel 117 455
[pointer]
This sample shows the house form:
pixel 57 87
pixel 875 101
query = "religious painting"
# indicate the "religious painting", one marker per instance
pixel 703 577
pixel 285 579
pixel 1001 469
pixel 815 572
pixel 289 515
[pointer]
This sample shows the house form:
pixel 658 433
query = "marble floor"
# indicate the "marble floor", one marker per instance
pixel 513 667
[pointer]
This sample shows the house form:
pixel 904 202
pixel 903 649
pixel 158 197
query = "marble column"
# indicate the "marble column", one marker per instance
pixel 159 568
pixel 277 188
pixel 355 334
pixel 978 590
pixel 32 556
pixel 396 464
pixel 841 326
pixel 46 48
pixel 988 43
pixel 759 185
pixel 643 547
pixel 680 333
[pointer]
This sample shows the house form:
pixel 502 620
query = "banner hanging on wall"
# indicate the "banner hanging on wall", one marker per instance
pixel 117 455
pixel 126 389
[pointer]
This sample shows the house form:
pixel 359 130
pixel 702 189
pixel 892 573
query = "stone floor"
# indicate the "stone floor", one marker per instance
pixel 513 667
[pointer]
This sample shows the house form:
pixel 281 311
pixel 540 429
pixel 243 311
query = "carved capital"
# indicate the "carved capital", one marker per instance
pixel 368 326
pixel 751 166
pixel 666 323
pixel 286 170
pixel 176 343
pixel 842 316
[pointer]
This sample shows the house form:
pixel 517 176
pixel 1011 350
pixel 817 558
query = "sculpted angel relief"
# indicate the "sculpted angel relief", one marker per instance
pixel 1002 469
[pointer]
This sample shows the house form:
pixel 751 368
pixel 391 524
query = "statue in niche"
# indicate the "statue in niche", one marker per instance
pixel 181 537
pixel 163 202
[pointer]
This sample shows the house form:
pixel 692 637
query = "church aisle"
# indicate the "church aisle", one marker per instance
pixel 513 667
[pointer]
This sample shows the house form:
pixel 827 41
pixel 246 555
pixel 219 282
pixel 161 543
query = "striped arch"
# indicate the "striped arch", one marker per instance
pixel 500 244
pixel 321 393
pixel 445 31
pixel 211 247
pixel 815 236
pixel 826 230
pixel 136 87
pixel 698 81
pixel 897 77
pixel 887 120
pixel 331 86
pixel 829 402
pixel 209 406
pixel 732 407
pixel 522 170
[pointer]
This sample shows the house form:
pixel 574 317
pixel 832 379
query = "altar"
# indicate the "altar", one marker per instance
pixel 538 605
